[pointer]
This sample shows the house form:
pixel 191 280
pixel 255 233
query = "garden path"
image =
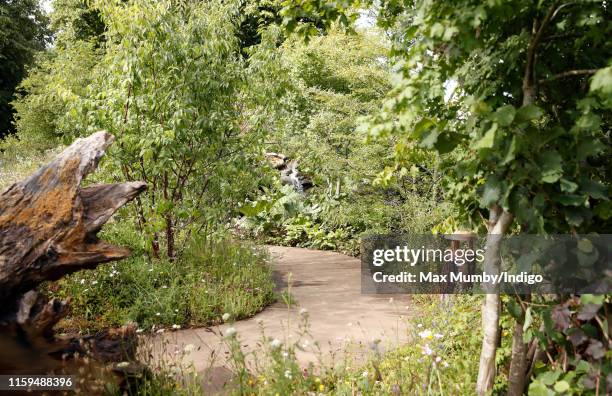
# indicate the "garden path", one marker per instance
pixel 345 323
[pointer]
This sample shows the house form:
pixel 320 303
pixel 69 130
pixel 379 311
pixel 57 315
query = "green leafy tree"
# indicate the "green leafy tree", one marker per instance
pixel 172 87
pixel 23 33
pixel 60 74
pixel 525 132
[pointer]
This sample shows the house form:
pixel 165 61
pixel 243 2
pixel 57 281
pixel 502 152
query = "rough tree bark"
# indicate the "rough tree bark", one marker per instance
pixel 499 222
pixel 48 227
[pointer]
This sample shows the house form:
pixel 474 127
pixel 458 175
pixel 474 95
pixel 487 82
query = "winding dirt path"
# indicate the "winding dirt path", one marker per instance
pixel 344 323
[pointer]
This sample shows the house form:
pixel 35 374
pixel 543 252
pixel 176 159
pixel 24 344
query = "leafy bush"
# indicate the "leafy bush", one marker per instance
pixel 214 276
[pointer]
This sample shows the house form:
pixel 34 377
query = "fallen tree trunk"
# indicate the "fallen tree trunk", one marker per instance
pixel 48 229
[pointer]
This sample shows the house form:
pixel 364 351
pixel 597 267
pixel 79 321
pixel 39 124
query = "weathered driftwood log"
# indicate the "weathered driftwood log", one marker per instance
pixel 48 227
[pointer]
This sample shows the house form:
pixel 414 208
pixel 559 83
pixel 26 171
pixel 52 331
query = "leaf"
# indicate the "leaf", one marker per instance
pixel 604 210
pixel 511 154
pixel 491 192
pixel 589 148
pixel 595 349
pixel 568 186
pixel 592 299
pixel 528 113
pixel 537 388
pixel 446 142
pixel 561 386
pixel 572 200
pixel 551 169
pixel 594 189
pixel 602 80
pixel 549 377
pixel 588 311
pixel 577 337
pixel 488 140
pixel 560 316
pixel 585 245
pixel 504 115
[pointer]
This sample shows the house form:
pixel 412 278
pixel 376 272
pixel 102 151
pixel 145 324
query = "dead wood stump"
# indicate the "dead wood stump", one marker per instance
pixel 48 229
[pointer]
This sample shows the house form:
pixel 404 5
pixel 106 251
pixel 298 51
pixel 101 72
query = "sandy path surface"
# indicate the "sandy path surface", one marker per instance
pixel 343 322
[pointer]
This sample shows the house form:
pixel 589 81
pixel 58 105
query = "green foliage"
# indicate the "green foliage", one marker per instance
pixel 332 82
pixel 172 86
pixel 213 277
pixel 23 32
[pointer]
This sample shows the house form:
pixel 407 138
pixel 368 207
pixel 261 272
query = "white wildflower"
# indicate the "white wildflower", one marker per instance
pixel 364 374
pixel 426 334
pixel 176 327
pixel 225 317
pixel 158 314
pixel 427 350
pixel 275 343
pixel 438 335
pixel 230 332
pixel 288 374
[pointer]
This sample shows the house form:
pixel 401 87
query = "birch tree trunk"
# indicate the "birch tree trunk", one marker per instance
pixel 499 222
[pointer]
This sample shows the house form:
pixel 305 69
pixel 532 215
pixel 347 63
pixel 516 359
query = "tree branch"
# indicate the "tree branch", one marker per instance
pixel 569 73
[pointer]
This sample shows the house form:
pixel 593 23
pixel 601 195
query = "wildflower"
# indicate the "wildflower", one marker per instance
pixel 419 325
pixel 445 364
pixel 426 334
pixel 438 335
pixel 285 354
pixel 438 359
pixel 188 348
pixel 150 269
pixel 164 287
pixel 176 327
pixel 303 312
pixel 94 282
pixel 427 350
pixel 82 281
pixel 288 374
pixel 230 332
pixel 275 343
pixel 305 344
pixel 225 317
pixel 364 374
pixel 158 314
pixel 321 387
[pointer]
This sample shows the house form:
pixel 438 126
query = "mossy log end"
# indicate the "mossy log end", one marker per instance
pixel 48 229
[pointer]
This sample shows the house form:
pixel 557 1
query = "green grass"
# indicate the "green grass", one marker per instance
pixel 214 276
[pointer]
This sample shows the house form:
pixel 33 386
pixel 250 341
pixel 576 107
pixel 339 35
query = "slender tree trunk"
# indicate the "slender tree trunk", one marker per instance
pixel 518 362
pixel 169 222
pixel 499 222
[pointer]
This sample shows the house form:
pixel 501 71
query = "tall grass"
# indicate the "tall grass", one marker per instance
pixel 214 276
